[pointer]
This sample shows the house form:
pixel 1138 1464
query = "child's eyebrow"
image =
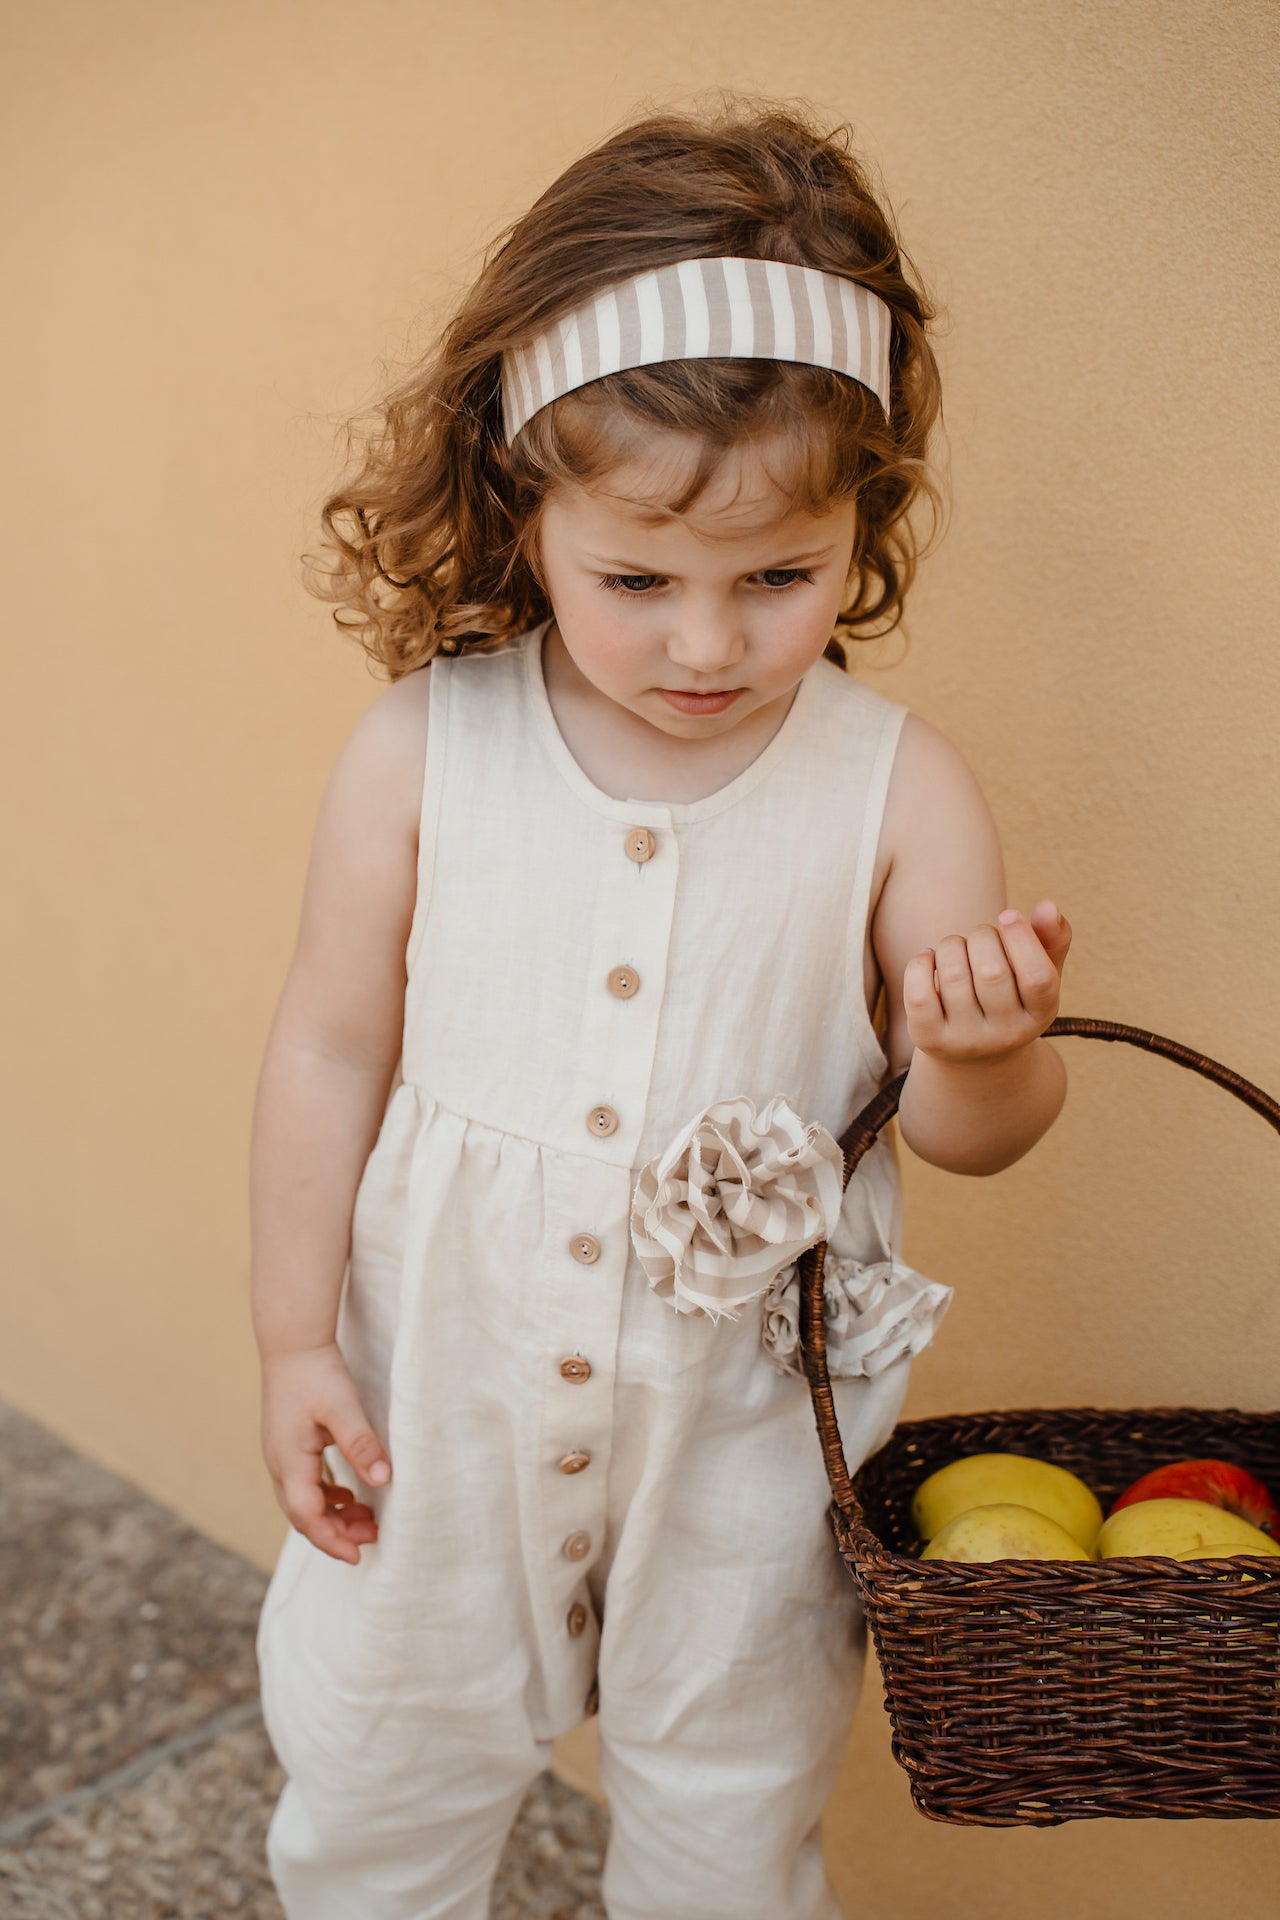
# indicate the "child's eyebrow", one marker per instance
pixel 775 566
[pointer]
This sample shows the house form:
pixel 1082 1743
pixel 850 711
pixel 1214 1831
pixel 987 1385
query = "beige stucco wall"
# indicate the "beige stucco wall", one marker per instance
pixel 221 218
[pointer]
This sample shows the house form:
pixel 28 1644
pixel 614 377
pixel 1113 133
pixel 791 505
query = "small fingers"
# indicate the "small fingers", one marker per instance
pixel 307 1510
pixel 1035 975
pixel 1057 940
pixel 329 1516
pixel 955 978
pixel 920 1000
pixel 353 1513
pixel 357 1442
pixel 988 993
pixel 332 1538
pixel 994 983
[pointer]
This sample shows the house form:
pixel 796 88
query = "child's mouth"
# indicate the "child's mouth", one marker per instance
pixel 700 702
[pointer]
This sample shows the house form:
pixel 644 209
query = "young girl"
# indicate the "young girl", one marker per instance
pixel 605 890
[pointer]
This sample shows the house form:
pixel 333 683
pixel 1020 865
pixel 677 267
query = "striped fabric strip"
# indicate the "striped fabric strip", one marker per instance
pixel 729 308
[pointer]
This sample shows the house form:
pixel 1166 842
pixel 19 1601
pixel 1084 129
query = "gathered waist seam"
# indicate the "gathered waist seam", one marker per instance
pixel 509 1133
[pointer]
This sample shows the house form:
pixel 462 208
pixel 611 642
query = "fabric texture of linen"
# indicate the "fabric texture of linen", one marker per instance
pixel 602 1497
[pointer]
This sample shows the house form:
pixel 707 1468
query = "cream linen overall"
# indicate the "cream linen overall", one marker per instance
pixel 598 1503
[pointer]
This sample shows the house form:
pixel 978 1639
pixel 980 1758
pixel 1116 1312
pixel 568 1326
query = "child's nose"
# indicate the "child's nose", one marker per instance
pixel 707 650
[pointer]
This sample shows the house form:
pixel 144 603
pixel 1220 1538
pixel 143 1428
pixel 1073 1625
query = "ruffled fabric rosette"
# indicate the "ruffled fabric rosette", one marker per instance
pixel 873 1315
pixel 734 1197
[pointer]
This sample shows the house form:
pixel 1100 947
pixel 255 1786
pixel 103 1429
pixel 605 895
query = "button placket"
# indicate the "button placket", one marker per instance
pixel 626 962
pixel 583 1307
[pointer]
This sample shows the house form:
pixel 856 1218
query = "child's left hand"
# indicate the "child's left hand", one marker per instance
pixel 997 988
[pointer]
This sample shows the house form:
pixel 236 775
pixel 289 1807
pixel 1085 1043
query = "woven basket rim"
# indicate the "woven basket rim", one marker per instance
pixel 1118 1565
pixel 866 1549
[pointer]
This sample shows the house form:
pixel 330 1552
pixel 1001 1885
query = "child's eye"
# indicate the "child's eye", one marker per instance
pixel 792 577
pixel 624 583
pixel 635 586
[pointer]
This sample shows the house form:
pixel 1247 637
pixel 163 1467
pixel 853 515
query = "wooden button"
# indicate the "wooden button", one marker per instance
pixel 577 1620
pixel 585 1247
pixel 577 1546
pixel 575 1462
pixel 640 845
pixel 623 982
pixel 592 1702
pixel 574 1367
pixel 602 1120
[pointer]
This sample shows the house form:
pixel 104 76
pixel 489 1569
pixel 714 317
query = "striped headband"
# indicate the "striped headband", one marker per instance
pixel 699 310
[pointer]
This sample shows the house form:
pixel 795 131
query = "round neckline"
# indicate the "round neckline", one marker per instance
pixel 665 810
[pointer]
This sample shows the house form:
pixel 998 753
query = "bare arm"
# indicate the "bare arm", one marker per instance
pixel 321 1095
pixel 315 1121
pixel 982 1086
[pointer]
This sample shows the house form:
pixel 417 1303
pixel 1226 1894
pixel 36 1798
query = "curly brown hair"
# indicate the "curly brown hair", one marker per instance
pixel 435 538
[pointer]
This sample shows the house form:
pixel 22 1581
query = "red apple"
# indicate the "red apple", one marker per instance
pixel 1216 1482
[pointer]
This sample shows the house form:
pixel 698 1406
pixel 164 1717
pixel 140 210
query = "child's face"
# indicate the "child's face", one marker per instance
pixel 741 592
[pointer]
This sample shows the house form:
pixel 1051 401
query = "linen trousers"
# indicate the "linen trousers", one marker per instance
pixel 721 1733
pixel 698 1831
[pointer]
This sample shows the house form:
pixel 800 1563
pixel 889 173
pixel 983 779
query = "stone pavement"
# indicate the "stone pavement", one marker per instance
pixel 136 1779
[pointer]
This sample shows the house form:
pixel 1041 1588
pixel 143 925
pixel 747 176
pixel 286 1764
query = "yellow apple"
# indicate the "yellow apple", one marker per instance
pixel 1174 1527
pixel 1003 1531
pixel 1232 1551
pixel 1001 1479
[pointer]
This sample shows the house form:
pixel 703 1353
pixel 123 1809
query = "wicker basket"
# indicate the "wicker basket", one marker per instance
pixel 1031 1692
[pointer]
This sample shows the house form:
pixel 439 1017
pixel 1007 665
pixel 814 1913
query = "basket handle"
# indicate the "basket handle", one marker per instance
pixel 861 1135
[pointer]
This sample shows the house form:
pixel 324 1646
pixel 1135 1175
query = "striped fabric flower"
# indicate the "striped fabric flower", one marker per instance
pixel 735 1196
pixel 872 1314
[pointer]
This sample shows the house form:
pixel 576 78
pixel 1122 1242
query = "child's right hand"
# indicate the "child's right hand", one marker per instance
pixel 309 1402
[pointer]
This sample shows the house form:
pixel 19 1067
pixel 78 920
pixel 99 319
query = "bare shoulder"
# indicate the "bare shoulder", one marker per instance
pixel 937 820
pixel 934 800
pixel 930 775
pixel 345 990
pixel 383 760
